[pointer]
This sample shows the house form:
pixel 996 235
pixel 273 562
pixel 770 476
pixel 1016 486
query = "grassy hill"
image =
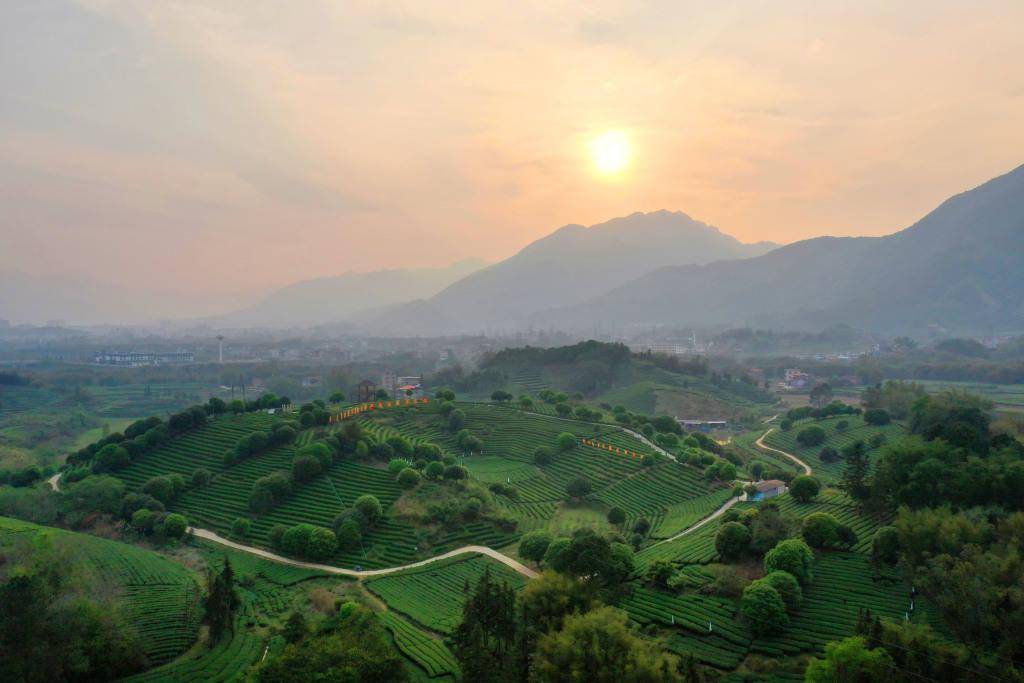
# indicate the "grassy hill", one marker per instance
pixel 856 430
pixel 609 373
pixel 159 598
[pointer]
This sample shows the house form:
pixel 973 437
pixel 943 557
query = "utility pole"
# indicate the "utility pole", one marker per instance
pixel 220 350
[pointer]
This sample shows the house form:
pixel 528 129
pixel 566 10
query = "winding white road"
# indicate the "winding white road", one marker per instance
pixel 208 535
pixel 798 461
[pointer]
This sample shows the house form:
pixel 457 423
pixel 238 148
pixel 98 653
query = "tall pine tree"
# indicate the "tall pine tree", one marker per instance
pixel 221 601
pixel 485 641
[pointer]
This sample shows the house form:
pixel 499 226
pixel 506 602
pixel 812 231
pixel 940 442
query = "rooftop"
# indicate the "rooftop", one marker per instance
pixel 769 485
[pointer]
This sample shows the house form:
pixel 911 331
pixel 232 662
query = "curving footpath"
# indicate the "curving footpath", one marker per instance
pixel 366 573
pixel 760 444
pixel 54 483
pixel 208 535
pixel 697 525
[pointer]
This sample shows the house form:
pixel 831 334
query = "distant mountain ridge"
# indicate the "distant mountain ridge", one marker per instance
pixel 570 266
pixel 960 266
pixel 332 299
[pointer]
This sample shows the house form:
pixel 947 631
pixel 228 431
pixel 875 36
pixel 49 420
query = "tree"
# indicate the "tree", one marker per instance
pixel 221 601
pixel 577 488
pixel 660 571
pixel 616 516
pixel 500 396
pixel 295 629
pixel 855 473
pixel 811 436
pixel 563 409
pixel 434 471
pixel 794 556
pixel 788 588
pixel 336 397
pixel 456 472
pixel 484 640
pixel 201 477
pixel 566 441
pixel 850 661
pixel 821 530
pixel 821 395
pixel 295 540
pixel 305 468
pixel 408 478
pixel 321 544
pixel 732 541
pixel 276 534
pixel 642 526
pixel 877 417
pixel 175 525
pixel 591 555
pixel 804 488
pixel 533 545
pixel 763 609
pixel 525 402
pixel 601 645
pixel 111 458
pixel 240 527
pixel 369 507
pixel 542 456
pixel 144 520
pixel 786 424
pixel 348 534
pixel 456 420
pixel 885 546
pixel 350 647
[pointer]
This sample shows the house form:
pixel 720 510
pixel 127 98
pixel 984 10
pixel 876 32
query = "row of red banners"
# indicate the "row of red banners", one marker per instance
pixel 610 448
pixel 377 405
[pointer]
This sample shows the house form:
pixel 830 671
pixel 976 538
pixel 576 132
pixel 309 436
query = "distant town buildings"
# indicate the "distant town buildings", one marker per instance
pixel 703 425
pixel 135 359
pixel 797 379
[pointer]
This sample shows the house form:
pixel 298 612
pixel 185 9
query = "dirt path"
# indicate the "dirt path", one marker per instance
pixel 697 525
pixel 366 573
pixel 760 444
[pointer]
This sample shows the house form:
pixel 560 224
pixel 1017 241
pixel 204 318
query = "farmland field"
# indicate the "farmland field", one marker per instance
pixel 432 596
pixel 857 431
pixel 160 597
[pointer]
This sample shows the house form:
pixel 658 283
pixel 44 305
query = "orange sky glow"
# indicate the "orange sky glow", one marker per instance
pixel 187 145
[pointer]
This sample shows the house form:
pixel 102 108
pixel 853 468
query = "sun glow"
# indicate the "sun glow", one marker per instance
pixel 611 152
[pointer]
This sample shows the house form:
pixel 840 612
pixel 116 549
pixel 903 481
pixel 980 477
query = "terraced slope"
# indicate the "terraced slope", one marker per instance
pixel 160 597
pixel 858 431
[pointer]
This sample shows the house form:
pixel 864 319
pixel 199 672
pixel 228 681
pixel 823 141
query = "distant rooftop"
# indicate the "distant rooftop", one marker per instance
pixel 769 485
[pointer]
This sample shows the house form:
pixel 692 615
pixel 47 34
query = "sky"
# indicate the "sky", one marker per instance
pixel 224 148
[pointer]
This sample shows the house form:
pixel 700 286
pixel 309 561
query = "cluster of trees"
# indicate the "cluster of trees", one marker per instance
pixel 57 624
pixel 952 458
pixel 350 645
pixel 901 652
pixel 258 441
pixel 958 492
pixel 767 602
pixel 355 522
pixel 833 409
pixel 557 628
pixel 304 540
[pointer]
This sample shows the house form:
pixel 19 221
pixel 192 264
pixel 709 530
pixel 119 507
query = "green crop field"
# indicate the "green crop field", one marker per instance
pixel 426 651
pixel 857 431
pixel 160 597
pixel 432 596
pixel 269 592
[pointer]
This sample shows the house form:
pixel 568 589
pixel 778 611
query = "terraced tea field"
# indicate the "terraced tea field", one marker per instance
pixel 857 431
pixel 160 597
pixel 432 596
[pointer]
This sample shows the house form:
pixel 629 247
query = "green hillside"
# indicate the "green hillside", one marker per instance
pixel 159 598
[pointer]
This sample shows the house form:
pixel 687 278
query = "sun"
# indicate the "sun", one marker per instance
pixel 611 152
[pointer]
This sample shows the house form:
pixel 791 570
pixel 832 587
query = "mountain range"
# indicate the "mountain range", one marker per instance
pixel 333 299
pixel 961 266
pixel 570 266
